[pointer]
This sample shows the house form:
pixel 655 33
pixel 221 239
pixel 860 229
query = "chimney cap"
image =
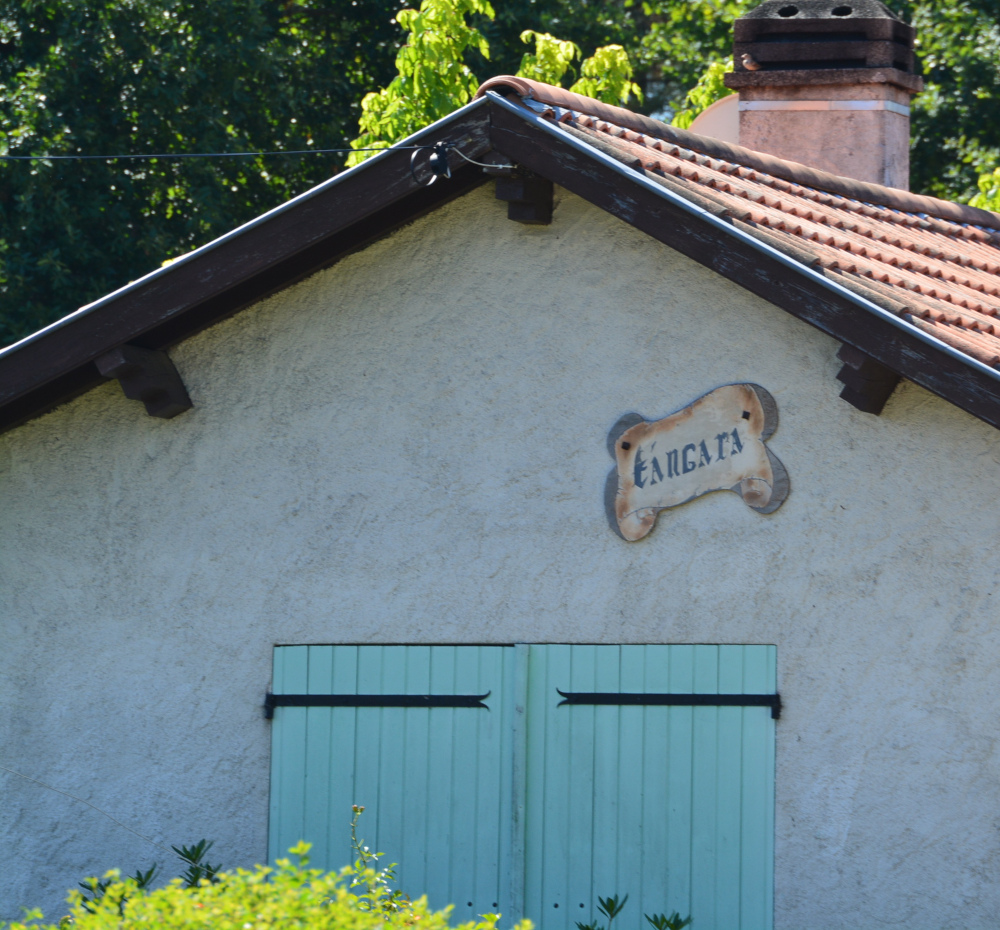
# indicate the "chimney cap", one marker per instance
pixel 812 42
pixel 836 10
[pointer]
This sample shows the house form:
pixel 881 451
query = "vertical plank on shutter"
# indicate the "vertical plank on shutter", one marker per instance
pixel 704 788
pixel 632 741
pixel 277 768
pixel 493 802
pixel 389 723
pixel 657 851
pixel 367 744
pixel 535 823
pixel 291 664
pixel 729 792
pixel 491 816
pixel 680 786
pixel 465 790
pixel 757 782
pixel 607 726
pixel 439 778
pixel 317 764
pixel 515 902
pixel 413 850
pixel 767 794
pixel 580 721
pixel 343 731
pixel 558 764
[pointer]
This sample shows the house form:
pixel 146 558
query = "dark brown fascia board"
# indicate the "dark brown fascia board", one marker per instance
pixel 285 245
pixel 542 147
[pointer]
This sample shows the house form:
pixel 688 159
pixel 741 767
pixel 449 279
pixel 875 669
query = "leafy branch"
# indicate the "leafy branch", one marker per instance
pixel 433 78
pixel 375 884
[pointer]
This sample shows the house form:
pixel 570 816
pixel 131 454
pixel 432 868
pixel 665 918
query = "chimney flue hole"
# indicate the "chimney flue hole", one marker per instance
pixel 789 10
pixel 842 11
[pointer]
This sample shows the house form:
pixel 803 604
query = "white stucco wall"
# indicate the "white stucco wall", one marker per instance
pixel 410 446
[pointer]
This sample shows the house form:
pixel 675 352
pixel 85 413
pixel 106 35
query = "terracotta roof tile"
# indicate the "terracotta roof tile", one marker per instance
pixel 936 263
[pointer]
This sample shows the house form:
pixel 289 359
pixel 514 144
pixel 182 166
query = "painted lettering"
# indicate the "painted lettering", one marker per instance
pixel 640 467
pixel 677 462
pixel 691 465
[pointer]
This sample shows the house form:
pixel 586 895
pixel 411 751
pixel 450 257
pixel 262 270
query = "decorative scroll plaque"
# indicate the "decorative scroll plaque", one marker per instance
pixel 718 443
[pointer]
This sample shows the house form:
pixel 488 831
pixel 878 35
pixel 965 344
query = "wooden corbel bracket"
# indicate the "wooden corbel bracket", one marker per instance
pixel 149 376
pixel 867 383
pixel 529 198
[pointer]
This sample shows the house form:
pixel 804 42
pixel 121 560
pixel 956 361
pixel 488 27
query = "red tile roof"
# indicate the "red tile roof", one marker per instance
pixel 935 264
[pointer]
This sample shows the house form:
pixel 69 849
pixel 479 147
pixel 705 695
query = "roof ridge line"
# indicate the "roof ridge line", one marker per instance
pixel 788 170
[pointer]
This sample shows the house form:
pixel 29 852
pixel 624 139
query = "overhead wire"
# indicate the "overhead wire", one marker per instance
pixel 204 154
pixel 438 163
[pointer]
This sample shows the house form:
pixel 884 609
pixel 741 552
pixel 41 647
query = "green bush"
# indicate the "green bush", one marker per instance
pixel 291 895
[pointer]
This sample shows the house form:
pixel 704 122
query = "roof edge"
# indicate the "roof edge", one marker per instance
pixel 170 268
pixel 791 284
pixel 778 167
pixel 798 261
pixel 300 237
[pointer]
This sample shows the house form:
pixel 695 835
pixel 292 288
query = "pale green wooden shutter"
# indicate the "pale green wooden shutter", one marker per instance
pixel 533 808
pixel 435 782
pixel 673 806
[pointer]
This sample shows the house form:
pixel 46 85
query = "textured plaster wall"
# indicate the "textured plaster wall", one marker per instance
pixel 410 446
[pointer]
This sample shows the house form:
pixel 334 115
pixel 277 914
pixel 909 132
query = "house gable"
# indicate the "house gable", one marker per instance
pixel 424 462
pixel 409 446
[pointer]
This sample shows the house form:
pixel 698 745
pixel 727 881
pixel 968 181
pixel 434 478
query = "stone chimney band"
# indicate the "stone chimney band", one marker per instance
pixel 890 105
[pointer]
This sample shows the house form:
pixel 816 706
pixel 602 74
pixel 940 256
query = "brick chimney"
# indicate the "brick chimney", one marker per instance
pixel 827 83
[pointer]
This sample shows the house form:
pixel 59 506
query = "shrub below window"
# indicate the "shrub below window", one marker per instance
pixel 290 895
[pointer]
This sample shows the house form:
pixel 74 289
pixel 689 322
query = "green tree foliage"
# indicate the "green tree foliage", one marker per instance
pixel 551 59
pixel 668 42
pixel 710 87
pixel 681 43
pixel 607 76
pixel 956 120
pixel 989 191
pixel 163 76
pixel 434 79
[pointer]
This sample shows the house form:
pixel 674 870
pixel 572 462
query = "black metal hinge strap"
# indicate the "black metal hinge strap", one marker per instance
pixel 372 700
pixel 605 698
